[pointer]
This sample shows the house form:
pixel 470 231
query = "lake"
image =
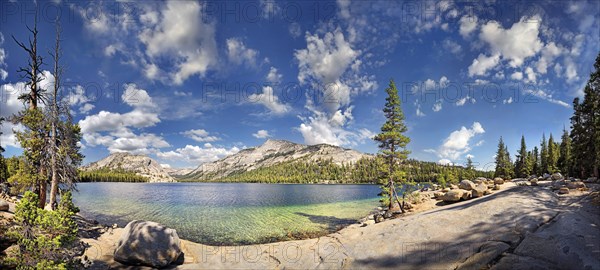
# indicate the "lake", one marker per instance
pixel 230 213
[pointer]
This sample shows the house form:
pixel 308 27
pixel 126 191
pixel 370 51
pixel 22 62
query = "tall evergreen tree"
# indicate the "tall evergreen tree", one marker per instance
pixel 585 128
pixel 392 146
pixel 535 160
pixel 503 163
pixel 470 169
pixel 564 161
pixel 543 155
pixel 552 155
pixel 522 168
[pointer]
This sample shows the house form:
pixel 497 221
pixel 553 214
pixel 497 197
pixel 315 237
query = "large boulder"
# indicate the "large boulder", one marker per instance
pixel 479 180
pixel 3 205
pixel 557 176
pixel 498 181
pixel 575 185
pixel 453 195
pixel 479 191
pixel 147 243
pixel 466 185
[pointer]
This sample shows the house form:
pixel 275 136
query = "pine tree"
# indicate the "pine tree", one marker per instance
pixel 564 161
pixel 552 155
pixel 535 161
pixel 392 146
pixel 543 155
pixel 503 162
pixel 470 169
pixel 585 128
pixel 522 168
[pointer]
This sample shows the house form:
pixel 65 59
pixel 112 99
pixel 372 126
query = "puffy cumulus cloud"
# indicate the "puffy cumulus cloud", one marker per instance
pixel 445 161
pixel 195 155
pixel 437 106
pixel 238 53
pixel 550 52
pixel 325 59
pixel 320 128
pixel 270 100
pixel 330 64
pixel 268 97
pixel 467 25
pixel 180 32
pixel 517 75
pixel 515 44
pixel 482 64
pixel 173 33
pixel 274 76
pixel 463 101
pixel 261 134
pixel 458 142
pixel 430 85
pixel 200 135
pixel 115 130
pixel 539 93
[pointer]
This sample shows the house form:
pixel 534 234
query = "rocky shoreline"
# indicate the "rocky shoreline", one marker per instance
pixel 490 231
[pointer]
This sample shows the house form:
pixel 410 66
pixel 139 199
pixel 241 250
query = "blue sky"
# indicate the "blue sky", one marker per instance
pixel 189 82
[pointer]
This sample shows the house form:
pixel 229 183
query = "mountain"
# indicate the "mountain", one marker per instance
pixel 140 164
pixel 272 152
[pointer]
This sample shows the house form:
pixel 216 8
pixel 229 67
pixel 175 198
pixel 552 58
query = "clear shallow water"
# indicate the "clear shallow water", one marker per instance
pixel 229 213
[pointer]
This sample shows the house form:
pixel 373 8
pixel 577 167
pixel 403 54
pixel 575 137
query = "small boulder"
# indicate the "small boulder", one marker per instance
pixel 563 190
pixel 4 205
pixel 478 191
pixel 534 181
pixel 575 185
pixel 487 192
pixel 479 180
pixel 496 187
pixel 498 181
pixel 453 195
pixel 445 190
pixel 591 180
pixel 545 176
pixel 453 186
pixel 438 195
pixel 147 243
pixel 557 176
pixel 379 218
pixel 466 185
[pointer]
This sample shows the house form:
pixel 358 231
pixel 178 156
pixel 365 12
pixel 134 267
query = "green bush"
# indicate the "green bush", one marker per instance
pixel 42 236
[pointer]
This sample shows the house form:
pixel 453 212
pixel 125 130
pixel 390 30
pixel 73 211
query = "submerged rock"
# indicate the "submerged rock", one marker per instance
pixel 147 243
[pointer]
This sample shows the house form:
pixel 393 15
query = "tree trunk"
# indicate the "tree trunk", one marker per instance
pixel 54 185
pixel 42 189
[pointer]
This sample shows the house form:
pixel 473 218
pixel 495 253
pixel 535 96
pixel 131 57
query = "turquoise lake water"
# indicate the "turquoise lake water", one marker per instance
pixel 230 213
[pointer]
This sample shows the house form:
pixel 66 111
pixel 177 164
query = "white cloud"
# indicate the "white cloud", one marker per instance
pixel 323 129
pixel 549 53
pixel 419 112
pixel 273 76
pixel 262 134
pixel 468 24
pixel 482 64
pixel 515 44
pixel 114 130
pixel 531 76
pixel 180 32
pixel 295 30
pixel 457 143
pixel 198 155
pixel 463 101
pixel 508 101
pixel 570 70
pixel 270 100
pixel 445 161
pixel 437 106
pixel 200 135
pixel 238 53
pixel 452 46
pixel 182 94
pixel 545 96
pixel 517 76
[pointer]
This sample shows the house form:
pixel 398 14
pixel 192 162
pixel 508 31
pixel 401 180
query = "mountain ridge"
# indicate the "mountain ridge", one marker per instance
pixel 272 152
pixel 140 164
